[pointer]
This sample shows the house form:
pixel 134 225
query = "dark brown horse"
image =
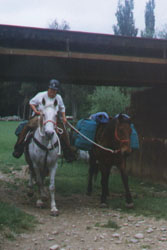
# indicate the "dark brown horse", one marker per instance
pixel 114 135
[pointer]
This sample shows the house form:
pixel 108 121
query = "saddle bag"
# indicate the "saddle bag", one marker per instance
pixel 20 127
pixel 100 117
pixel 134 140
pixel 87 127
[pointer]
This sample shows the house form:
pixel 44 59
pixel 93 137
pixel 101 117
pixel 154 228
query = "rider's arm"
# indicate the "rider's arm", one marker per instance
pixel 64 117
pixel 34 109
pixel 35 102
pixel 62 108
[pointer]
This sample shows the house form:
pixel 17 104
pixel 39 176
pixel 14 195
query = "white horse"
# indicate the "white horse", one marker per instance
pixel 42 153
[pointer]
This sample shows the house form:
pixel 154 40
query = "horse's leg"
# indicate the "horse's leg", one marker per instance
pixel 54 210
pixel 39 182
pixel 129 201
pixel 30 184
pixel 105 172
pixel 92 167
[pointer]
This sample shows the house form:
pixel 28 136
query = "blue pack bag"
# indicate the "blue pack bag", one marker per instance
pixel 88 128
pixel 101 117
pixel 20 127
pixel 134 140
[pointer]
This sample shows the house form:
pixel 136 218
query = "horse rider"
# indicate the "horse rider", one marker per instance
pixel 35 103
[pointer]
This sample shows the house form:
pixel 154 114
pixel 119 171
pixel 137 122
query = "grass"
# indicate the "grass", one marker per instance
pixel 72 179
pixel 12 219
pixel 109 224
pixel 7 141
pixel 15 219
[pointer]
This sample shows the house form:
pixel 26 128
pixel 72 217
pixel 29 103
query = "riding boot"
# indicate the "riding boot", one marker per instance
pixel 19 146
pixel 69 152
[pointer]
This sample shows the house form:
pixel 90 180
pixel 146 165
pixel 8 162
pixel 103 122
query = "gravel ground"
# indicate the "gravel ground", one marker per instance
pixel 80 226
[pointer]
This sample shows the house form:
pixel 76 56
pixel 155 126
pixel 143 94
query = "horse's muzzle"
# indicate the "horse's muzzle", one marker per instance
pixel 49 134
pixel 126 150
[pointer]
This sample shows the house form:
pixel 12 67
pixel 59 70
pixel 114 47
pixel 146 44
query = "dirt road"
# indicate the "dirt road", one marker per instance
pixel 80 226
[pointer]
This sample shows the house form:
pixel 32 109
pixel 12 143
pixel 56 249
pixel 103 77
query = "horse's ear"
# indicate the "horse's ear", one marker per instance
pixel 43 101
pixel 55 103
pixel 120 117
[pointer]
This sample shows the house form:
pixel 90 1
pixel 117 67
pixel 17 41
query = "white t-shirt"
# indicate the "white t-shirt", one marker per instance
pixel 37 101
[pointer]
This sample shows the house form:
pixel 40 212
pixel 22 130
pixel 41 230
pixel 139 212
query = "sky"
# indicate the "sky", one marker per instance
pixel 82 15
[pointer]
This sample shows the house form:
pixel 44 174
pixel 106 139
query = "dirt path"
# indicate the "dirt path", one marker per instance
pixel 76 227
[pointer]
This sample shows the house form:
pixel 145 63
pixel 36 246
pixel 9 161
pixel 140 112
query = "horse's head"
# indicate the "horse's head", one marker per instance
pixel 123 132
pixel 49 118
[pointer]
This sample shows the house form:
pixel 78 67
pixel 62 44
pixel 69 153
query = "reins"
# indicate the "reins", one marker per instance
pixel 96 144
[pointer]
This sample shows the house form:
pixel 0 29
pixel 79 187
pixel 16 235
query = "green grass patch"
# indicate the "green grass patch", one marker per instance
pixel 15 219
pixel 8 140
pixel 109 224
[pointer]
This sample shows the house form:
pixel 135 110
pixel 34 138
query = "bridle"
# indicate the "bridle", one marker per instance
pixel 54 123
pixel 119 139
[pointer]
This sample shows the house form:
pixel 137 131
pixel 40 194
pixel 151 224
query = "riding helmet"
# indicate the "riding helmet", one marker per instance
pixel 54 84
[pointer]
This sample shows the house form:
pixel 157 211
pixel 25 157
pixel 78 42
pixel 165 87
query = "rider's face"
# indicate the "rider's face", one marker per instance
pixel 52 93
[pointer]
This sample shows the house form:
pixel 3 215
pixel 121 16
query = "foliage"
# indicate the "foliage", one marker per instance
pixel 109 99
pixel 125 21
pixel 162 33
pixel 27 90
pixel 109 224
pixel 149 20
pixel 15 219
pixel 9 98
pixel 75 99
pixel 64 25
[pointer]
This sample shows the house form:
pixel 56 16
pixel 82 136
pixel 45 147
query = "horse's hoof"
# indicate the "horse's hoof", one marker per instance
pixel 54 213
pixel 130 205
pixel 103 205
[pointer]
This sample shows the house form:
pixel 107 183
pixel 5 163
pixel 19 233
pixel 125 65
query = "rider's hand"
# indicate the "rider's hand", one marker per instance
pixel 37 112
pixel 64 120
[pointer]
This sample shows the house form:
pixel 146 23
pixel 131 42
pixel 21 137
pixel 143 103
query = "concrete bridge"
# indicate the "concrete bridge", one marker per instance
pixel 33 54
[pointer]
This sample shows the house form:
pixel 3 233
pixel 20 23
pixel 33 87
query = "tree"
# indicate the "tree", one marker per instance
pixel 9 98
pixel 27 90
pixel 75 99
pixel 64 25
pixel 149 20
pixel 109 99
pixel 125 21
pixel 162 33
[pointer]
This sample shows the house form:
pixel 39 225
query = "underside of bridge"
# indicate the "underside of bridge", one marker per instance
pixel 33 54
